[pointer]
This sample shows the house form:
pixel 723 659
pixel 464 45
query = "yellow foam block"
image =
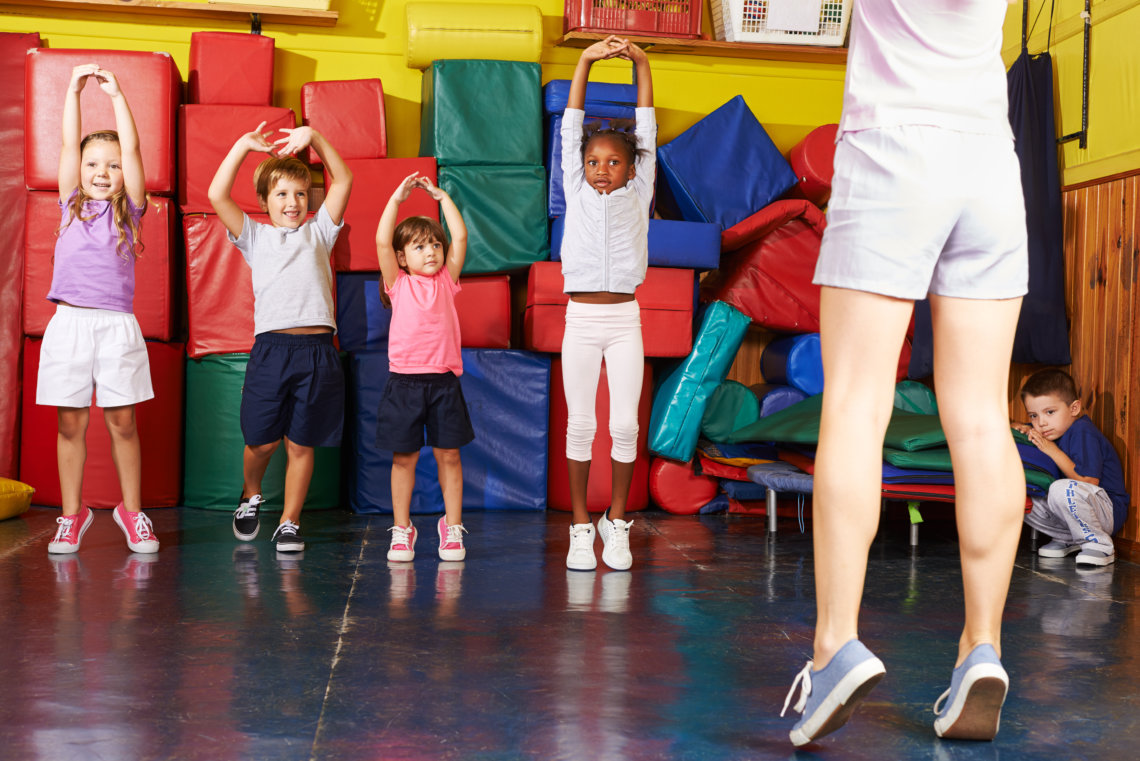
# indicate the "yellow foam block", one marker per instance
pixel 15 498
pixel 493 31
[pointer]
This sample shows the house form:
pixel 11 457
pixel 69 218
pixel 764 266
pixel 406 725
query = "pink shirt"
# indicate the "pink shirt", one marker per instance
pixel 424 334
pixel 87 269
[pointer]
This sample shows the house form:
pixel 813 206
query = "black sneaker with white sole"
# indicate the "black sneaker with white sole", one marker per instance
pixel 287 537
pixel 246 521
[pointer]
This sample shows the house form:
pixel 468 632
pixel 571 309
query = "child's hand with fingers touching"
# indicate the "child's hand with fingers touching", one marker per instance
pixel 602 49
pixel 632 52
pixel 296 139
pixel 257 140
pixel 107 82
pixel 404 189
pixel 432 190
pixel 79 76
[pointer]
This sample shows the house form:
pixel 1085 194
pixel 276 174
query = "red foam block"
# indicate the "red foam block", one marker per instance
pixel 231 68
pixel 601 467
pixel 812 160
pixel 154 305
pixel 373 181
pixel 666 300
pixel 677 487
pixel 484 308
pixel 350 114
pixel 205 136
pixel 159 423
pixel 153 88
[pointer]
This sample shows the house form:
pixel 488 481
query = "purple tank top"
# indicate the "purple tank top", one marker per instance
pixel 87 269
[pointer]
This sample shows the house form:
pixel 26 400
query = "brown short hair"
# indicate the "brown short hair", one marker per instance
pixel 271 170
pixel 413 229
pixel 1050 381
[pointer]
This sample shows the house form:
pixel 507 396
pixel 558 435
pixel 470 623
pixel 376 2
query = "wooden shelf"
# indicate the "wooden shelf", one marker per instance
pixel 752 50
pixel 268 14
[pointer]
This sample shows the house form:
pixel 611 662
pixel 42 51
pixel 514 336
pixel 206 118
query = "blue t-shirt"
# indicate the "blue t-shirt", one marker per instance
pixel 1094 457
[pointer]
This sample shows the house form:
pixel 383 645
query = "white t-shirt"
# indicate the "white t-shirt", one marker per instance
pixel 926 62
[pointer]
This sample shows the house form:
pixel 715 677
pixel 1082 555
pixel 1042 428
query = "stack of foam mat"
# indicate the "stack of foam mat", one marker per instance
pixel 482 121
pixel 680 400
pixel 672 243
pixel 214 443
pixel 153 86
pixel 504 468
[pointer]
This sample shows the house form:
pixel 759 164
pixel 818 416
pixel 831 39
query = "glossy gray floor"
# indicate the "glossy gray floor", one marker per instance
pixel 219 650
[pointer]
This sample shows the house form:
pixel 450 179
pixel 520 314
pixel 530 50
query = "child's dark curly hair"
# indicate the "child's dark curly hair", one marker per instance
pixel 620 130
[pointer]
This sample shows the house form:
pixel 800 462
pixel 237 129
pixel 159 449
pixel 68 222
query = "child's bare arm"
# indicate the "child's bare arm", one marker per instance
pixel 644 74
pixel 222 185
pixel 72 133
pixel 455 226
pixel 340 176
pixel 134 179
pixel 1063 462
pixel 389 266
pixel 608 48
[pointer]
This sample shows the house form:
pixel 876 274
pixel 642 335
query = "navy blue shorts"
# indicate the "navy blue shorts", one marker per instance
pixel 419 404
pixel 294 386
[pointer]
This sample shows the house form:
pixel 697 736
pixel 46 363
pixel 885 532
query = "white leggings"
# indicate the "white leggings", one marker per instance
pixel 594 332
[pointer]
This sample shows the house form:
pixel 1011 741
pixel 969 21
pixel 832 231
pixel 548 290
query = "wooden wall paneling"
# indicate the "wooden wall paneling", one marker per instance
pixel 746 368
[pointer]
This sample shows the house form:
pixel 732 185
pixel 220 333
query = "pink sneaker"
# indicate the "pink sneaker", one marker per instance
pixel 450 540
pixel 137 528
pixel 70 532
pixel 403 546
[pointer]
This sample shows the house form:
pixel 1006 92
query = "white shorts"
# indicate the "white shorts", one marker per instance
pixel 87 350
pixel 917 210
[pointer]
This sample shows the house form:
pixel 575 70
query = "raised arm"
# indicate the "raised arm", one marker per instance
pixel 455 226
pixel 644 75
pixel 134 178
pixel 69 155
pixel 340 176
pixel 222 185
pixel 608 48
pixel 389 267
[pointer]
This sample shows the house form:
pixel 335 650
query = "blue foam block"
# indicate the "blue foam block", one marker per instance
pixel 794 361
pixel 776 398
pixel 504 468
pixel 743 490
pixel 724 168
pixel 361 319
pixel 683 245
pixel 603 99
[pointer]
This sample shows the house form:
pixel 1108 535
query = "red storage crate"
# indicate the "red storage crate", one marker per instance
pixel 373 181
pixel 205 136
pixel 665 298
pixel 160 433
pixel 231 68
pixel 350 114
pixel 155 304
pixel 153 88
pixel 654 18
pixel 601 467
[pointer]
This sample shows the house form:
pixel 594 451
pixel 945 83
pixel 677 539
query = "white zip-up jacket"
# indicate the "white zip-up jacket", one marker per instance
pixel 605 242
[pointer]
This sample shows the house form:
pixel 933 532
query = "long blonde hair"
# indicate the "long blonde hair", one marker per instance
pixel 128 244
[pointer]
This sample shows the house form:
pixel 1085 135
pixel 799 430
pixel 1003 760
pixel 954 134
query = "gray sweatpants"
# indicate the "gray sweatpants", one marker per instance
pixel 1075 512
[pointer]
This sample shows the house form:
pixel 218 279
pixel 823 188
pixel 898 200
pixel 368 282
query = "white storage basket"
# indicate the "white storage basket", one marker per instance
pixel 747 21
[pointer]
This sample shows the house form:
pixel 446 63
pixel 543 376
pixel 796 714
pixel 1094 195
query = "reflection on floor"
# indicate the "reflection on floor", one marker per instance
pixel 219 650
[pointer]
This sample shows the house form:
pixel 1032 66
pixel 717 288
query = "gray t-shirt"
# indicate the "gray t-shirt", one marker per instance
pixel 292 275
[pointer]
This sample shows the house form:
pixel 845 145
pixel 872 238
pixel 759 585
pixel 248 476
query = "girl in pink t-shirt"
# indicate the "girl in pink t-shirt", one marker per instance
pixel 421 277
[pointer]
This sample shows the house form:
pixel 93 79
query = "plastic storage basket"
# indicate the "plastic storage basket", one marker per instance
pixel 747 21
pixel 657 18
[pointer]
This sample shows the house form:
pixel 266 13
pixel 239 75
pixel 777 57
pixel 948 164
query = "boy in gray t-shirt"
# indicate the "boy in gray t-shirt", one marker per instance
pixel 294 385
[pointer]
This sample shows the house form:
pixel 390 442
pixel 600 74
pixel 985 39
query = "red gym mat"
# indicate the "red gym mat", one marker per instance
pixel 350 113
pixel 155 303
pixel 666 299
pixel 160 432
pixel 812 160
pixel 677 488
pixel 231 68
pixel 484 308
pixel 153 88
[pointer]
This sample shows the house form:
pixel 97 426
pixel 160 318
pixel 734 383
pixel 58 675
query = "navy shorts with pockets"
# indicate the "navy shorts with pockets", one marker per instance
pixel 294 387
pixel 422 407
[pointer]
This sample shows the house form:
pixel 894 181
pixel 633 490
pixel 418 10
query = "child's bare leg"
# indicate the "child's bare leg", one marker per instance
pixel 126 453
pixel 579 483
pixel 620 481
pixel 298 475
pixel 450 483
pixel 71 453
pixel 862 334
pixel 403 482
pixel 254 462
pixel 973 341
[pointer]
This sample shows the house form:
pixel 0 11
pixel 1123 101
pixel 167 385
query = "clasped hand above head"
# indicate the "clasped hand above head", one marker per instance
pixel 417 180
pixel 614 47
pixel 296 139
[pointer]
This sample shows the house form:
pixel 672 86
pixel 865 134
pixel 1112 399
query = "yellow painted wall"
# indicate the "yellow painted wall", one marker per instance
pixel 369 41
pixel 1114 80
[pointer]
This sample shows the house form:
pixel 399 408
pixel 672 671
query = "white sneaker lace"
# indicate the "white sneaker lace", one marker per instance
pixel 581 539
pixel 619 536
pixel 802 680
pixel 143 526
pixel 63 533
pixel 289 528
pixel 401 536
pixel 246 510
pixel 455 534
